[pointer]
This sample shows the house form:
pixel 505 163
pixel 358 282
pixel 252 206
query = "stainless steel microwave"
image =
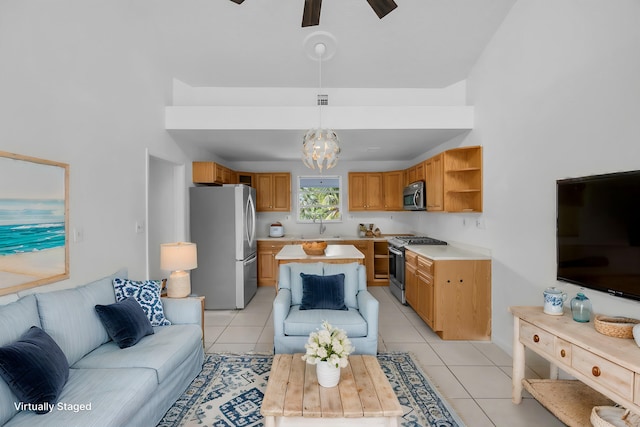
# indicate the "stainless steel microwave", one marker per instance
pixel 414 197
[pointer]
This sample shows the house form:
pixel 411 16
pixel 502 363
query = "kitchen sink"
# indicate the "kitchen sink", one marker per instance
pixel 319 237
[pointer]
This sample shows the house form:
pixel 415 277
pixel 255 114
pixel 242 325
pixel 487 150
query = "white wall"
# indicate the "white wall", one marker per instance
pixel 81 84
pixel 556 95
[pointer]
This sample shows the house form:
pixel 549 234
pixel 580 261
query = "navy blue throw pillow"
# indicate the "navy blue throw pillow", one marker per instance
pixel 322 292
pixel 35 369
pixel 125 322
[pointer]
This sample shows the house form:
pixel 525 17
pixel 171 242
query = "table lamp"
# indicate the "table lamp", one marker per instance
pixel 178 258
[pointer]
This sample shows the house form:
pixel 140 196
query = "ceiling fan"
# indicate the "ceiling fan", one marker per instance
pixel 311 14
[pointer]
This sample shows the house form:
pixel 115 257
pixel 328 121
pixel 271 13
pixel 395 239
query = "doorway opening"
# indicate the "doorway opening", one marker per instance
pixel 166 209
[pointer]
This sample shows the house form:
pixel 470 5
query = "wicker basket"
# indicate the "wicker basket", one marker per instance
pixel 612 416
pixel 314 248
pixel 619 327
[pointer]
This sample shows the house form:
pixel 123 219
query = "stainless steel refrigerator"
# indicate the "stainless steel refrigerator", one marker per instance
pixel 223 226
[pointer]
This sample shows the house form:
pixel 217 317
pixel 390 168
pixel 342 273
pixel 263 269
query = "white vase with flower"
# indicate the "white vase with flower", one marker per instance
pixel 329 350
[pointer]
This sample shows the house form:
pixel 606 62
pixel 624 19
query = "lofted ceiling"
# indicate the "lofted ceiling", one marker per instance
pixel 260 43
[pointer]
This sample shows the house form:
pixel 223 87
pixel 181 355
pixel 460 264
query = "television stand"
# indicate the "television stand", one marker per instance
pixel 607 365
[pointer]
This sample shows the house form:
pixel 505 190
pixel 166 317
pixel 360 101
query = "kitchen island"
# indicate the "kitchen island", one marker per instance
pixel 376 255
pixel 336 254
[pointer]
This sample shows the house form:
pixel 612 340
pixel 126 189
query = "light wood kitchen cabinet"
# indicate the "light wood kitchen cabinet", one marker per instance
pixel 453 297
pixel 273 192
pixel 419 289
pixel 414 173
pixel 380 263
pixel 210 173
pixel 392 190
pixel 366 247
pixel 376 259
pixel 375 252
pixel 409 175
pixel 463 179
pixel 411 278
pixel 267 265
pixel 366 191
pixel 434 183
pixel 246 178
pixel 420 172
pixel 426 291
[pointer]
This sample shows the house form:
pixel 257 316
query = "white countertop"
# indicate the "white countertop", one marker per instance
pixel 317 237
pixel 446 252
pixel 292 252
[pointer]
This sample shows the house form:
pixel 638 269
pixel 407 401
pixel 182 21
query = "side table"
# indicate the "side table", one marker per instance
pixel 163 293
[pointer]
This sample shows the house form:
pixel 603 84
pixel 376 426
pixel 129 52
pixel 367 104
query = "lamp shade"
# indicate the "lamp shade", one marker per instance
pixel 178 256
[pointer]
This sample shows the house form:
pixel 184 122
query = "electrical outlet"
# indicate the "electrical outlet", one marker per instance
pixel 139 227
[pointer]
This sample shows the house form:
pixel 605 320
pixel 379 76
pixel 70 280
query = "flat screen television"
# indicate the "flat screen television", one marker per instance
pixel 598 232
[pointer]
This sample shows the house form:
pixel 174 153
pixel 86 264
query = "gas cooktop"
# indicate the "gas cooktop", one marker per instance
pixel 400 241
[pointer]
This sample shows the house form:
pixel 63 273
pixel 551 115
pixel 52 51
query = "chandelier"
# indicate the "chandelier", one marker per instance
pixel 320 147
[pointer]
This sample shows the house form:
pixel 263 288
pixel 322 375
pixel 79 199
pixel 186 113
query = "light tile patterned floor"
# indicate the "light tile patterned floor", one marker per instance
pixel 473 376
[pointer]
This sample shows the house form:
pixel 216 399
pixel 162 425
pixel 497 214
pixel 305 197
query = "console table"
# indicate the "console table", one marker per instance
pixel 608 365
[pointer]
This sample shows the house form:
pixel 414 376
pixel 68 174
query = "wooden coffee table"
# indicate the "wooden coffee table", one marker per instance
pixel 293 396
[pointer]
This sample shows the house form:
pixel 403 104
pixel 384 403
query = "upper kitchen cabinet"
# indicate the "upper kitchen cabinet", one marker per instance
pixel 414 173
pixel 392 190
pixel 211 173
pixel 366 191
pixel 463 179
pixel 435 193
pixel 273 192
pixel 247 178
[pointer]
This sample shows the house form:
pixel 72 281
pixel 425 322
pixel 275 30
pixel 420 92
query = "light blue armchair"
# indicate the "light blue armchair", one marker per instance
pixel 292 326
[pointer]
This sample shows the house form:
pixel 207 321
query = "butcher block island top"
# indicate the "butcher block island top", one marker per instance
pixel 333 253
pixel 294 397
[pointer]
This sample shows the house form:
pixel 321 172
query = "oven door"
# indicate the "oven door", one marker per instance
pixel 396 273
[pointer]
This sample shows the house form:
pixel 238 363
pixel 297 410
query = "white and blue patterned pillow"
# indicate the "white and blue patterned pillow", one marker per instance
pixel 147 293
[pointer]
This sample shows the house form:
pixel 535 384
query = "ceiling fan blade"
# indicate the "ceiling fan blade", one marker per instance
pixel 237 1
pixel 311 14
pixel 382 7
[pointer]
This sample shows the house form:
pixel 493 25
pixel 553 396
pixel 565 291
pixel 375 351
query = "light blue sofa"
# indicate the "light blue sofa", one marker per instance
pixel 292 326
pixel 134 386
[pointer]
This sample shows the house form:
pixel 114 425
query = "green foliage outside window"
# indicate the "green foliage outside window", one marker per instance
pixel 319 198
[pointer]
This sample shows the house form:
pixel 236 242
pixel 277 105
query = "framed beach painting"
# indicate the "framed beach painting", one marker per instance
pixel 34 222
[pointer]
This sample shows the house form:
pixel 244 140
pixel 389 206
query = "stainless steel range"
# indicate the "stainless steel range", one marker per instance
pixel 396 261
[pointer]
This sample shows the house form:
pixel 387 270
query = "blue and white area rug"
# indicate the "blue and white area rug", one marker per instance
pixel 229 390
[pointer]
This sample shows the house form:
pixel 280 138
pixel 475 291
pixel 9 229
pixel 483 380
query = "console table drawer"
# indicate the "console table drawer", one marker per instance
pixel 563 351
pixel 536 338
pixel 608 374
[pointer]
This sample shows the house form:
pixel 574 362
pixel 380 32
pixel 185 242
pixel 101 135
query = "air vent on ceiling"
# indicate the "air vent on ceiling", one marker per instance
pixel 323 99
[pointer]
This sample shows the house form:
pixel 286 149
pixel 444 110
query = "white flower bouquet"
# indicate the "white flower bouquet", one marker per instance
pixel 329 345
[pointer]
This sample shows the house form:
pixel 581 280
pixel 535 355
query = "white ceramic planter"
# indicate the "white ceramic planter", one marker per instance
pixel 328 375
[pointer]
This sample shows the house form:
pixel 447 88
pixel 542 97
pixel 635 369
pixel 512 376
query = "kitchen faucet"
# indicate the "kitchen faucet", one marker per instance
pixel 322 227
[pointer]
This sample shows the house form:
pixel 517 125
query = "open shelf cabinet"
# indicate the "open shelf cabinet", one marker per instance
pixel 380 261
pixel 463 179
